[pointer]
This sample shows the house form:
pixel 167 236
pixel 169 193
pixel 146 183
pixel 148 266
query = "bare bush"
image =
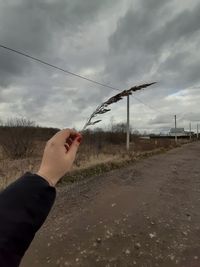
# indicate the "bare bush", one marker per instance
pixel 17 137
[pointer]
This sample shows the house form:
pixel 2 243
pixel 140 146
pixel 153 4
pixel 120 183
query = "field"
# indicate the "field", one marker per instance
pixel 93 152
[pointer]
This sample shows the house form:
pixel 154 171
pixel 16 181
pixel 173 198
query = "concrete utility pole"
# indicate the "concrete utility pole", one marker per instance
pixel 128 124
pixel 175 129
pixel 128 121
pixel 197 131
pixel 190 131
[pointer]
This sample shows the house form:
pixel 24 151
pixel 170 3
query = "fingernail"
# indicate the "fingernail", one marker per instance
pixel 67 147
pixel 79 139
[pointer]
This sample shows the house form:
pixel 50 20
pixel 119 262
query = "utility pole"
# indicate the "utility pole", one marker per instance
pixel 175 129
pixel 197 131
pixel 190 131
pixel 128 120
pixel 128 124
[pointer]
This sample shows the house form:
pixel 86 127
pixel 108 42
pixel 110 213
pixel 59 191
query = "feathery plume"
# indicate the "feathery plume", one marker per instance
pixel 102 109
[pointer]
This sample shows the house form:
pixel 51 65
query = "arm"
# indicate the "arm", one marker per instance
pixel 25 204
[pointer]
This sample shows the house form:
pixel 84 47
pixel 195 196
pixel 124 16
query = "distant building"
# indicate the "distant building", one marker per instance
pixel 177 132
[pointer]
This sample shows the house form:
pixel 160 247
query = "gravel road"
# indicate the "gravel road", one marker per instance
pixel 147 214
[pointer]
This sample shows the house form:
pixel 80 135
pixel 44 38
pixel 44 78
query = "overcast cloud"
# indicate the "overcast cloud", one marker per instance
pixel 118 42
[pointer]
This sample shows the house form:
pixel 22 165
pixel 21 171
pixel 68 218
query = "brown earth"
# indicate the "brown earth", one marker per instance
pixel 147 214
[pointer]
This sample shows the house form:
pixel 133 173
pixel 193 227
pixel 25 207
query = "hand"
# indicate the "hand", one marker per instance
pixel 59 155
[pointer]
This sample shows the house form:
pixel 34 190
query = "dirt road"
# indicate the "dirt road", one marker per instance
pixel 145 215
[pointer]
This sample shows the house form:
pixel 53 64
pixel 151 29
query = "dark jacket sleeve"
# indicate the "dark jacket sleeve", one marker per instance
pixel 24 206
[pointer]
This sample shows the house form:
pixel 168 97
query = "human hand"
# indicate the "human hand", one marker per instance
pixel 59 155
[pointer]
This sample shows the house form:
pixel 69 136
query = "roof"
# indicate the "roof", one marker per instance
pixel 177 130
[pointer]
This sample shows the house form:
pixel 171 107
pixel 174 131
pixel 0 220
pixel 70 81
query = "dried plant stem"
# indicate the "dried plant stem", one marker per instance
pixel 101 109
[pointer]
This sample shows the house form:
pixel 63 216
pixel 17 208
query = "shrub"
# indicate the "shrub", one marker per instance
pixel 16 138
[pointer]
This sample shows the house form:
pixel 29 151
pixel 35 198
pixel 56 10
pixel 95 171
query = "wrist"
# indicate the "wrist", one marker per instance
pixel 45 176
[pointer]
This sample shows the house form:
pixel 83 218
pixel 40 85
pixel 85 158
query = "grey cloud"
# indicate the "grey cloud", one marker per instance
pixel 185 25
pixel 37 27
pixel 144 36
pixel 161 120
pixel 56 31
pixel 192 116
pixel 154 40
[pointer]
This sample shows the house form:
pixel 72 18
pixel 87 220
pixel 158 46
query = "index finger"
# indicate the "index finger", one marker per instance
pixel 62 135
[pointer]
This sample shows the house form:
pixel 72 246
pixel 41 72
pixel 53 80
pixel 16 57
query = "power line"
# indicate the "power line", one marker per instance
pixel 69 72
pixel 73 74
pixel 150 107
pixel 56 67
pixel 77 75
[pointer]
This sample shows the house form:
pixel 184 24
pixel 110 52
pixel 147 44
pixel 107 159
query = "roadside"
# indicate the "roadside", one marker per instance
pixel 146 214
pixel 90 160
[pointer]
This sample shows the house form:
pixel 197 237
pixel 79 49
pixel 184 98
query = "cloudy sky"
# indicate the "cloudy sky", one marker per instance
pixel 118 42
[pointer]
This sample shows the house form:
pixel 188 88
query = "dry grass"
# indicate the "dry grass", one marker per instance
pixel 88 157
pixel 10 170
pixel 103 108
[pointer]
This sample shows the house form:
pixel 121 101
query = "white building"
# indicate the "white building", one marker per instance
pixel 177 132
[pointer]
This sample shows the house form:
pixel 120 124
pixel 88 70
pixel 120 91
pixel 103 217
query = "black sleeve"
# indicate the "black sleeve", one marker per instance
pixel 24 206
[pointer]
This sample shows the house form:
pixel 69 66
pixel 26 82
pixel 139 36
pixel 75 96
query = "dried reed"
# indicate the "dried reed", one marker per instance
pixel 101 109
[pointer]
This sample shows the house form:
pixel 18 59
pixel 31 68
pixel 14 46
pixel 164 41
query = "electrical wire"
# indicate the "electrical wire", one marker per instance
pixel 69 72
pixel 150 107
pixel 81 77
pixel 56 67
pixel 74 74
